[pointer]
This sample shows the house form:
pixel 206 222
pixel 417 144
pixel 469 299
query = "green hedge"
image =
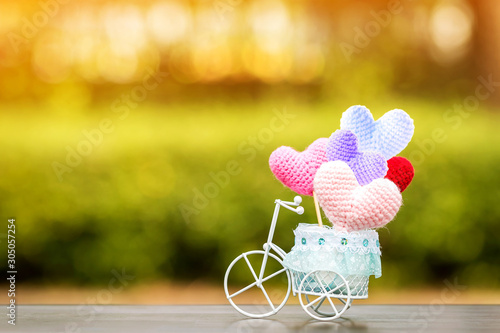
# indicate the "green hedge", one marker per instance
pixel 121 207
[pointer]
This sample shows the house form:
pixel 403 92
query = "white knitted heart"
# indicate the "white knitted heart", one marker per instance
pixel 352 207
pixel 388 136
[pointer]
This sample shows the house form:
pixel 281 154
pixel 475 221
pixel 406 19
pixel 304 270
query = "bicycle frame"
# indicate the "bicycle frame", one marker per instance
pixel 269 244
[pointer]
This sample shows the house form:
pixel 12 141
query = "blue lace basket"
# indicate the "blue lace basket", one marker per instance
pixel 355 256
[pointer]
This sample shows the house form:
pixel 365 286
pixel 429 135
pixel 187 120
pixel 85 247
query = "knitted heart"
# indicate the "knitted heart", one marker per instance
pixel 343 146
pixel 296 170
pixel 400 172
pixel 352 207
pixel 388 136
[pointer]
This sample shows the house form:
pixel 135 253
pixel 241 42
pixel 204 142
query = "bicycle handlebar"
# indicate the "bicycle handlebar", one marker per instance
pixel 296 202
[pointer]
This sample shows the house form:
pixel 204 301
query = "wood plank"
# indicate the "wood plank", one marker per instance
pixel 223 318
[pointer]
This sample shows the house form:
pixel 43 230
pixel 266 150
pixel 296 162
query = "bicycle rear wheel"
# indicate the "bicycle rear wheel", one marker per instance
pixel 324 295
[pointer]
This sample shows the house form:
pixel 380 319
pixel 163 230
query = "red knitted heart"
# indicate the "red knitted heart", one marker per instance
pixel 400 172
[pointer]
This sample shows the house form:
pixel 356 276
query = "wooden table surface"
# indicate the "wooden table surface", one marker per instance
pixel 223 318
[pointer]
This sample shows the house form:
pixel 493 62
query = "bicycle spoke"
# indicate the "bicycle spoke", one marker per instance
pixel 242 290
pixel 326 295
pixel 267 297
pixel 316 300
pixel 320 303
pixel 273 275
pixel 333 306
pixel 251 268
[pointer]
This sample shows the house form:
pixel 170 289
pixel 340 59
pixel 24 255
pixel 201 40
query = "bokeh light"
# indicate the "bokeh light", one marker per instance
pixel 168 21
pixel 451 30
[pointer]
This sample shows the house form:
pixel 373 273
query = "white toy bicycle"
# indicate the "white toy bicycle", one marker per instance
pixel 326 269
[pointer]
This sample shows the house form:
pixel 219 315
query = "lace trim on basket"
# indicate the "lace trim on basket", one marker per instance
pixel 310 237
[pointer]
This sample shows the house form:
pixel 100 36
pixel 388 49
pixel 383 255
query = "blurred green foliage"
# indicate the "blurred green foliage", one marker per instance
pixel 121 206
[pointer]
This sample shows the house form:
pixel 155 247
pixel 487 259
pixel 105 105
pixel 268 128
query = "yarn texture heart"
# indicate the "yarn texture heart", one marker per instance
pixel 351 207
pixel 400 172
pixel 368 166
pixel 388 136
pixel 297 169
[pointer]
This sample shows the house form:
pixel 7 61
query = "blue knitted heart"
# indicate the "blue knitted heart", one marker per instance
pixel 367 166
pixel 388 136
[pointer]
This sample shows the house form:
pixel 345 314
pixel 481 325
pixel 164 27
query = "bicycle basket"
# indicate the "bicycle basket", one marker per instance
pixel 354 255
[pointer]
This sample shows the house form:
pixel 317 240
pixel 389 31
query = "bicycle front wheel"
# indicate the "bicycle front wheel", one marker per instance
pixel 254 299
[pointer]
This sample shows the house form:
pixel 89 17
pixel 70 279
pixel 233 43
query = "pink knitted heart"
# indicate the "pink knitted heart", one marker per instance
pixel 296 170
pixel 352 207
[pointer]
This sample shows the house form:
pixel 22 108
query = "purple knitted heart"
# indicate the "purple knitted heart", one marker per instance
pixel 367 166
